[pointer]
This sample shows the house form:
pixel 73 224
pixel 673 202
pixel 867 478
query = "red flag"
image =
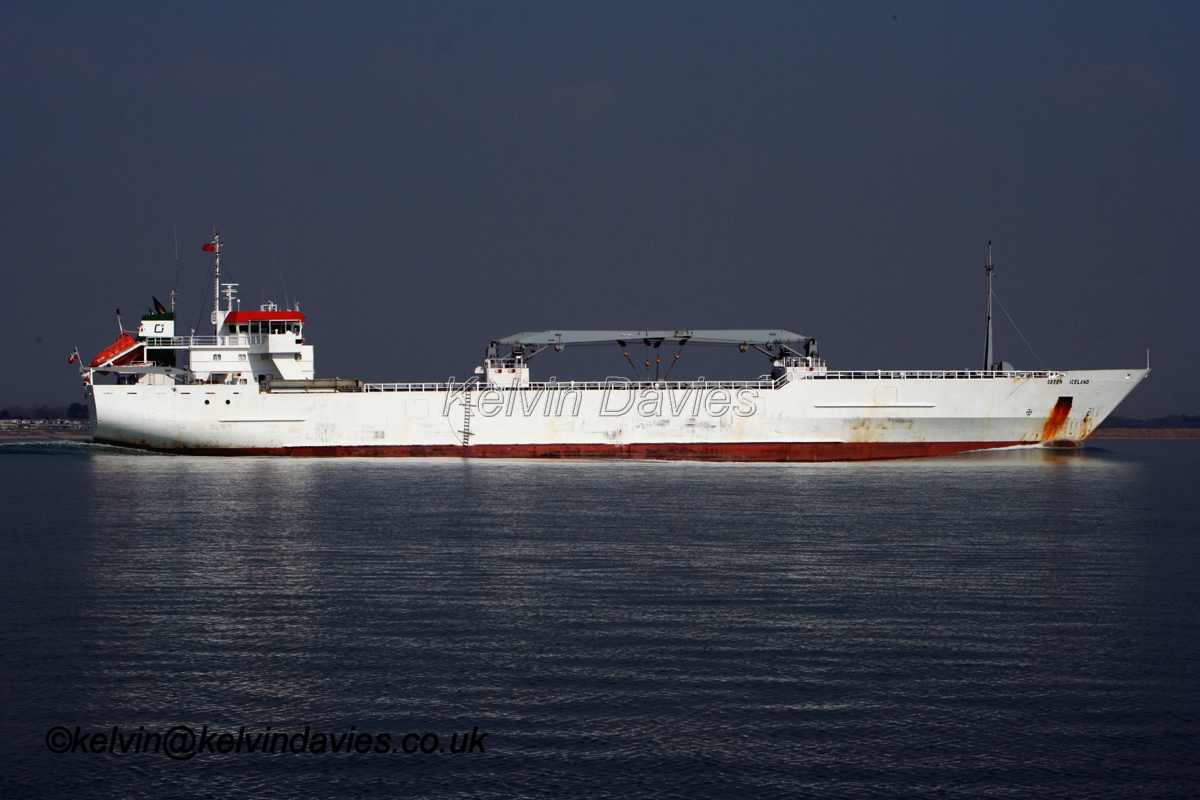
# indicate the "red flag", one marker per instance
pixel 209 248
pixel 74 357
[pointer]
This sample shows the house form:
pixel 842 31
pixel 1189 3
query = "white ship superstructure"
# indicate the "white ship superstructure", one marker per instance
pixel 250 388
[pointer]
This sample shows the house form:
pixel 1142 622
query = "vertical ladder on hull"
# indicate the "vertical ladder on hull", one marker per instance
pixel 466 432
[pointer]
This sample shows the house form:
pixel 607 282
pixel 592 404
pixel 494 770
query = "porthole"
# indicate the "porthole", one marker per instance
pixel 226 402
pixel 205 402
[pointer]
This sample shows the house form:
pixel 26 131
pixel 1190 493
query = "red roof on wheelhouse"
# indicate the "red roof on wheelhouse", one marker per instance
pixel 235 317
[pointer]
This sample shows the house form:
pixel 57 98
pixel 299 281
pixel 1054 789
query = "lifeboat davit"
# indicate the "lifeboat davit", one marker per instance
pixel 123 351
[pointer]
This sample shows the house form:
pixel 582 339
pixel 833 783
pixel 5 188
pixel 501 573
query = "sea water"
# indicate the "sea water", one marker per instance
pixel 1021 623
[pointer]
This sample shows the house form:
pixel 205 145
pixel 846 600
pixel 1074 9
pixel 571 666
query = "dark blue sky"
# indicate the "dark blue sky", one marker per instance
pixel 426 178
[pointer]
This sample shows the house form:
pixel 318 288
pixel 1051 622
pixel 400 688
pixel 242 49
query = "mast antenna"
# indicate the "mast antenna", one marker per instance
pixel 214 247
pixel 175 291
pixel 987 343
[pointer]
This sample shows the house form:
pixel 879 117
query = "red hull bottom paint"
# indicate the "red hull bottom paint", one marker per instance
pixel 759 451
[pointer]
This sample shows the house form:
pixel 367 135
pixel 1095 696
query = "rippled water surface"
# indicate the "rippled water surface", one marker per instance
pixel 1016 623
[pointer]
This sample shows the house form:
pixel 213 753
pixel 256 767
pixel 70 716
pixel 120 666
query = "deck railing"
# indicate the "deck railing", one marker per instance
pixel 764 383
pixel 902 375
pixel 565 385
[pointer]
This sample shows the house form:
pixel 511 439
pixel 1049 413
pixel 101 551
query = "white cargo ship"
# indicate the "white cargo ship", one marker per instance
pixel 251 389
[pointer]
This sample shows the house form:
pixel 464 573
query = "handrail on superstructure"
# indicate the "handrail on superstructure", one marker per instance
pixel 231 340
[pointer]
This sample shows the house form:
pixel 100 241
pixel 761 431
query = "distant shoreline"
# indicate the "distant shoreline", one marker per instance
pixel 45 434
pixel 1146 433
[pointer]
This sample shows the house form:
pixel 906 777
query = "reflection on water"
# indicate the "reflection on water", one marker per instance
pixel 1017 621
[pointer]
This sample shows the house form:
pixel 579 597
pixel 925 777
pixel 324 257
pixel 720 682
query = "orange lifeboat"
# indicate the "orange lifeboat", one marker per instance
pixel 124 350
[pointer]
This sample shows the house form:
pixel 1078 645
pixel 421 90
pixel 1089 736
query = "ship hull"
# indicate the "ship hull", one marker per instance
pixel 859 416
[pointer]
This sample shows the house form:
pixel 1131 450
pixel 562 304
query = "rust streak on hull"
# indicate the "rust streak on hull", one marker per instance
pixel 759 451
pixel 1057 419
